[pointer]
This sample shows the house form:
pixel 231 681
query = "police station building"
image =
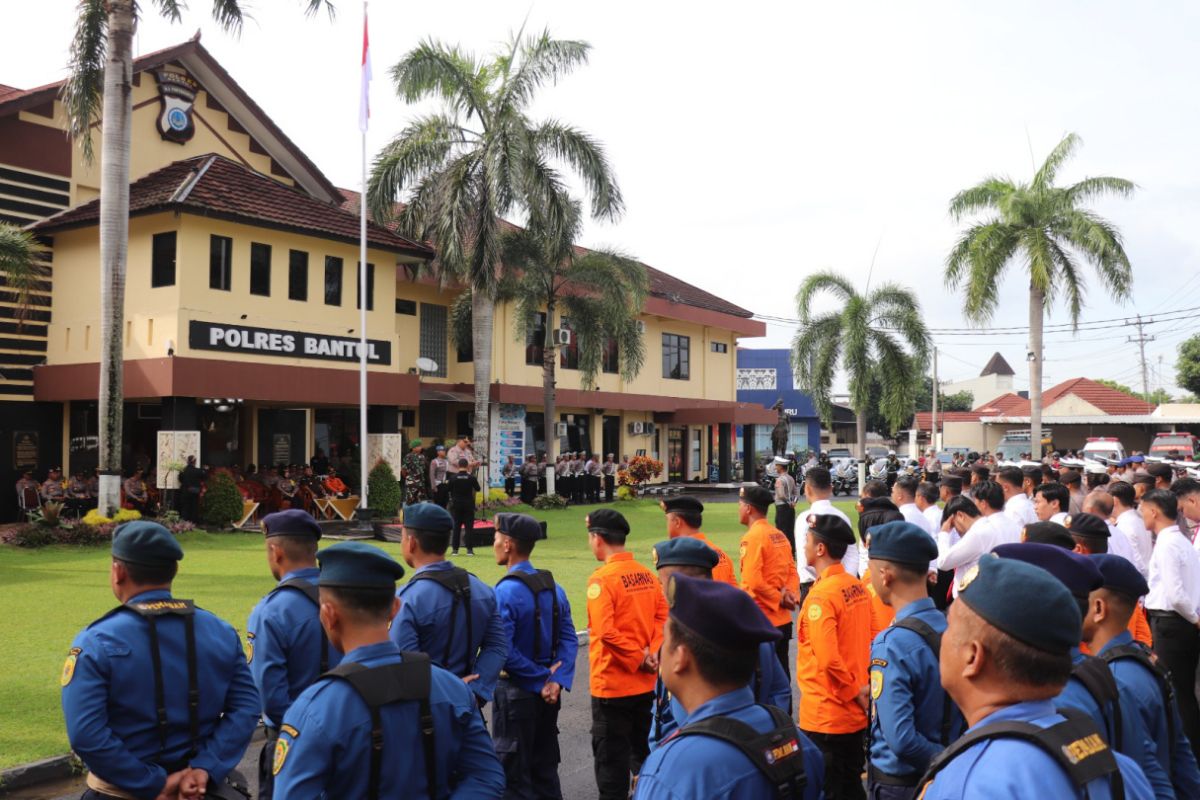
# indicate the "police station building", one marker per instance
pixel 242 311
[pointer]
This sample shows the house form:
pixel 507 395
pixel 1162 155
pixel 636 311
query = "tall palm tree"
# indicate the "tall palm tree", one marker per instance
pixel 1048 229
pixel 878 335
pixel 482 158
pixel 20 254
pixel 100 85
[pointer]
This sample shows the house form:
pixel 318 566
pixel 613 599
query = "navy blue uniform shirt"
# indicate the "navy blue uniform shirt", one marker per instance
pixel 516 604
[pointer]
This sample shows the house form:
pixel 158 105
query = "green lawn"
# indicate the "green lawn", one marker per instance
pixel 51 594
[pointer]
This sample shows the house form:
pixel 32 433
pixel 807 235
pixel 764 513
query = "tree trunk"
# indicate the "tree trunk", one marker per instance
pixel 860 431
pixel 1037 304
pixel 483 309
pixel 115 135
pixel 549 412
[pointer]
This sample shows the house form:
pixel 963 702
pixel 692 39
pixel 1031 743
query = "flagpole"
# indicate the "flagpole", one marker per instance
pixel 362 288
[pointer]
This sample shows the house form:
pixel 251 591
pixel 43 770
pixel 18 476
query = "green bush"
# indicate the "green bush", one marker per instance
pixel 222 501
pixel 545 502
pixel 625 493
pixel 34 535
pixel 383 492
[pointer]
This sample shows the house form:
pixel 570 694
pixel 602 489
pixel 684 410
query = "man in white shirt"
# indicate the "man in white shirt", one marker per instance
pixel 904 495
pixel 1172 604
pixel 1016 504
pixel 1099 504
pixel 977 538
pixel 1051 502
pixel 1129 524
pixel 1187 492
pixel 989 497
pixel 818 489
pixel 927 499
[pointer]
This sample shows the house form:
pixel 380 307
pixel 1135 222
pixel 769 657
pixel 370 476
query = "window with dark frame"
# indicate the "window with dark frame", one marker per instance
pixel 370 288
pixel 568 355
pixel 465 351
pixel 162 260
pixel 610 358
pixel 535 340
pixel 433 336
pixel 297 275
pixel 720 347
pixel 260 269
pixel 220 263
pixel 333 281
pixel 676 353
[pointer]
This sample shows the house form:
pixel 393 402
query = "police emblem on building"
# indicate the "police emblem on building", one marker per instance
pixel 177 93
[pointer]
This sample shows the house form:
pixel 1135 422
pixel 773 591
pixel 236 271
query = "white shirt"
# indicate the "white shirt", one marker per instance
pixel 849 561
pixel 1118 545
pixel 1020 509
pixel 1060 518
pixel 1008 530
pixel 914 515
pixel 960 556
pixel 1174 576
pixel 1130 524
pixel 934 515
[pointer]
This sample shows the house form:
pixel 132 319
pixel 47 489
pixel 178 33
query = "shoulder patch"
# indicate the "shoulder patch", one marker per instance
pixel 878 662
pixel 249 647
pixel 68 670
pixel 289 730
pixel 876 684
pixel 281 753
pixel 593 591
pixel 814 612
pixel 742 551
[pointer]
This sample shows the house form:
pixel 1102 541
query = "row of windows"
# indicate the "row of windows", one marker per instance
pixel 568 355
pixel 220 270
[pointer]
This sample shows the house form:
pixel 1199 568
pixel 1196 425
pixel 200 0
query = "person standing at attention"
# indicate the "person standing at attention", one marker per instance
pixel 463 487
pixel 685 514
pixel 768 568
pixel 785 501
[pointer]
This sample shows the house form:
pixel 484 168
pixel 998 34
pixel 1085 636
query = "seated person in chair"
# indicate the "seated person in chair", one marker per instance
pixel 137 496
pixel 78 497
pixel 52 488
pixel 336 486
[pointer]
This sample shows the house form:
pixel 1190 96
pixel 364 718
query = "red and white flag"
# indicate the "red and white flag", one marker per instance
pixel 364 102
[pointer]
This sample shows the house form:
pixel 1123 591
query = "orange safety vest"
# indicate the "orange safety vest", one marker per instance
pixel 723 571
pixel 769 568
pixel 833 653
pixel 626 612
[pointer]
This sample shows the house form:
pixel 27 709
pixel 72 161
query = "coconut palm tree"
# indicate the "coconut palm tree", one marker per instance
pixel 100 85
pixel 482 158
pixel 1048 230
pixel 878 335
pixel 597 294
pixel 20 254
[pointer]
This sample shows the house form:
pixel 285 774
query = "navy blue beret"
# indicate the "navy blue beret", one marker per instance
pixel 903 543
pixel 1048 533
pixel 605 520
pixel 831 528
pixel 292 522
pixel 684 551
pixel 1084 524
pixel 357 565
pixel 1077 572
pixel 519 526
pixel 144 542
pixel 718 613
pixel 428 517
pixel 1023 601
pixel 682 503
pixel 1120 575
pixel 754 495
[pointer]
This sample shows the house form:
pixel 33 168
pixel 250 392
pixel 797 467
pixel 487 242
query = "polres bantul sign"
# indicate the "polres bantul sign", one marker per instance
pixel 286 344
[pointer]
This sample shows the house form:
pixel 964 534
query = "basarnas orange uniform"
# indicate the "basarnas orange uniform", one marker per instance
pixel 769 570
pixel 723 571
pixel 833 651
pixel 626 612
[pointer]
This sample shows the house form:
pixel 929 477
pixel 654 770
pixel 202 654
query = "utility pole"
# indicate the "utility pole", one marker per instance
pixel 1140 340
pixel 933 434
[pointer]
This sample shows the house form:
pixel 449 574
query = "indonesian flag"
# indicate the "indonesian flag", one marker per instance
pixel 364 102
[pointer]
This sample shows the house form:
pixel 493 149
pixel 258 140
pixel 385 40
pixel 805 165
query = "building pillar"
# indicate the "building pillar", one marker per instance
pixel 749 455
pixel 724 452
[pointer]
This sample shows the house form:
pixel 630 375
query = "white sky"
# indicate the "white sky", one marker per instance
pixel 757 142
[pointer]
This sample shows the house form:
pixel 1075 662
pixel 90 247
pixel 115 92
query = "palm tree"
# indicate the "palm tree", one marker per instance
pixel 600 294
pixel 20 254
pixel 1048 229
pixel 874 336
pixel 482 158
pixel 100 85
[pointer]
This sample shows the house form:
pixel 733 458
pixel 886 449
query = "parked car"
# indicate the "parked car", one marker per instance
pixel 1108 448
pixel 1016 443
pixel 1181 442
pixel 946 454
pixel 837 454
pixel 877 451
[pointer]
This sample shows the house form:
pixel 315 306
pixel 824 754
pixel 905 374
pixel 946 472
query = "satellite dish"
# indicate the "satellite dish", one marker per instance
pixel 426 364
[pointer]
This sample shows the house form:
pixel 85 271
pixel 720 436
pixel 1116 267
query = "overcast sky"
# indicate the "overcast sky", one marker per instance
pixel 758 142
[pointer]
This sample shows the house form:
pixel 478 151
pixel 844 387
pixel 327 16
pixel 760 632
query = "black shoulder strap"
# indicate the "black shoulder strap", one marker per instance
pixel 310 591
pixel 1138 652
pixel 933 640
pixel 410 680
pixel 151 610
pixel 536 582
pixel 1074 744
pixel 457 581
pixel 777 754
pixel 1098 679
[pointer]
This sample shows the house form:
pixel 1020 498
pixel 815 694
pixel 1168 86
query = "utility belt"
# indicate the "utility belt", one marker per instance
pixel 1156 614
pixel 874 775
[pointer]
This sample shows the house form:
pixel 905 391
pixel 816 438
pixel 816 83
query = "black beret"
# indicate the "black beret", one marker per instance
pixel 1120 575
pixel 1024 601
pixel 1048 533
pixel 1077 572
pixel 754 495
pixel 903 543
pixel 1084 524
pixel 684 551
pixel 831 528
pixel 519 526
pixel 292 522
pixel 718 613
pixel 605 520
pixel 682 503
pixel 357 565
pixel 147 543
pixel 428 517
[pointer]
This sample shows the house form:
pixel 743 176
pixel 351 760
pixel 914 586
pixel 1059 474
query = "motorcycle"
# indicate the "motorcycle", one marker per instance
pixel 845 477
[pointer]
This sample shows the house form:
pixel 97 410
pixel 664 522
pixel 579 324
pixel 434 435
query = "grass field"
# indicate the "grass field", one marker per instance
pixel 53 593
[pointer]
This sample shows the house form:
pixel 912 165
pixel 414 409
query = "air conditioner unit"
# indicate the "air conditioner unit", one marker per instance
pixel 562 337
pixel 560 429
pixel 641 326
pixel 636 428
pixel 649 429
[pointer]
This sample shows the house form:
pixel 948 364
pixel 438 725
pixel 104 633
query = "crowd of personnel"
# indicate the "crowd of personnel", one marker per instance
pixel 995 634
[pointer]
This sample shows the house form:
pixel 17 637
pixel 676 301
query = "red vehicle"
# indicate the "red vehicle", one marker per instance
pixel 1181 442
